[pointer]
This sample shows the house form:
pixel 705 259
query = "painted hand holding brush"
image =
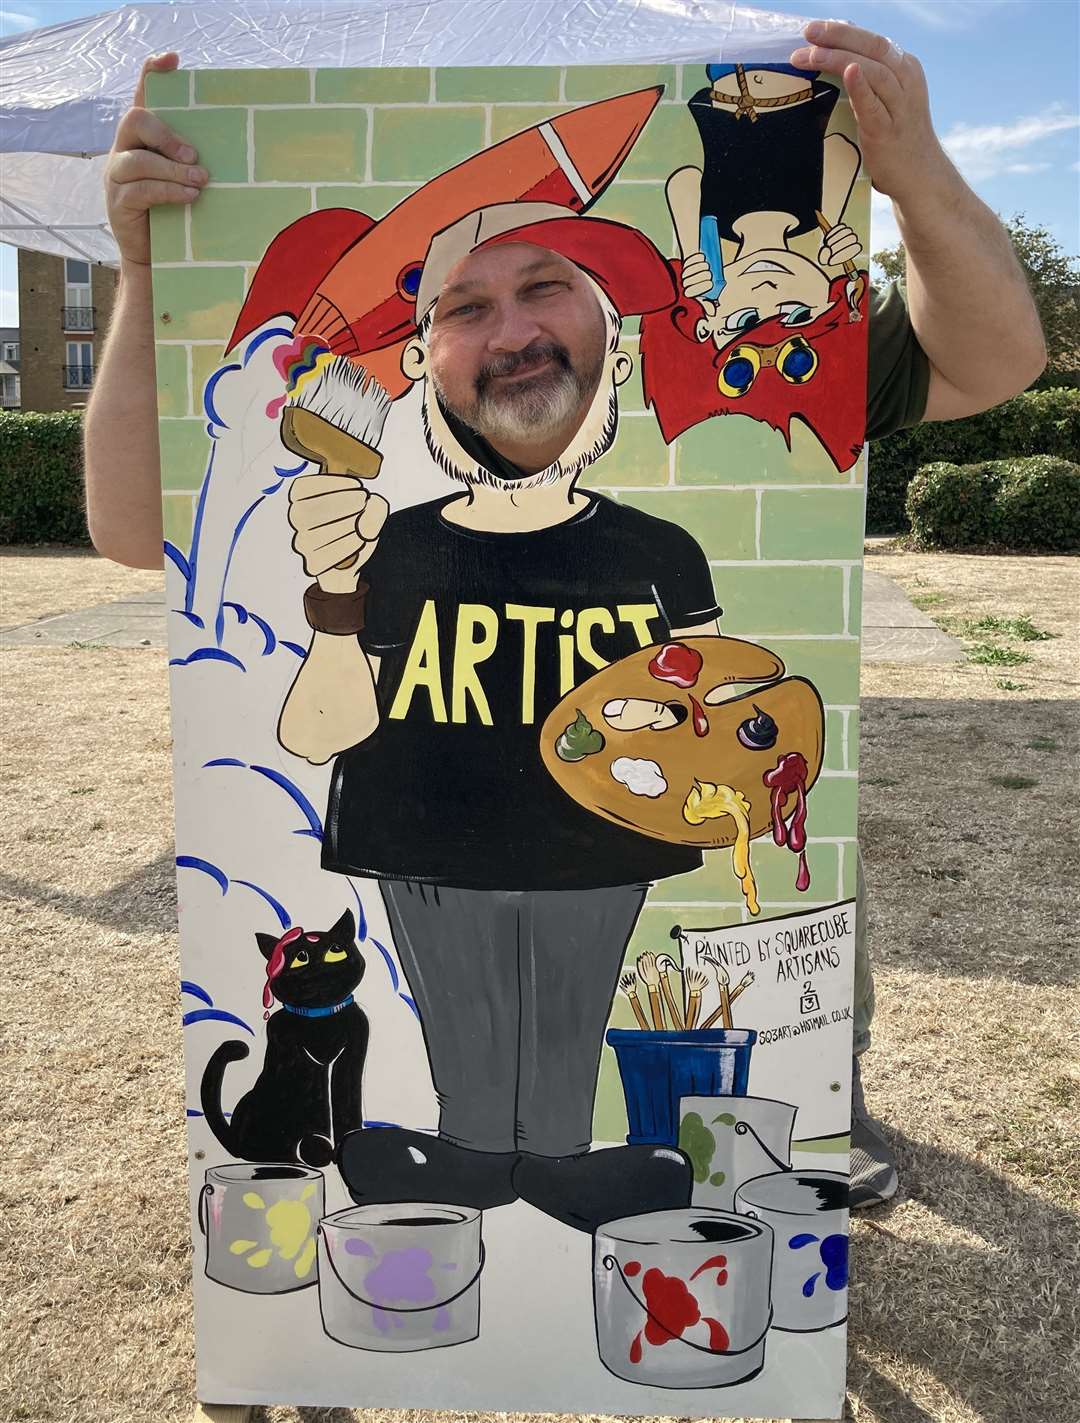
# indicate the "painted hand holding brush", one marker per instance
pixel 335 419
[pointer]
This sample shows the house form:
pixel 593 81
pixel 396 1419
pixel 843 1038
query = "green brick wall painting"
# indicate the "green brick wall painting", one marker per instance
pixel 511 466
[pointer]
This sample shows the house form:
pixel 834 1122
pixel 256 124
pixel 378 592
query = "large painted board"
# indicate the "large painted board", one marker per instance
pixel 516 809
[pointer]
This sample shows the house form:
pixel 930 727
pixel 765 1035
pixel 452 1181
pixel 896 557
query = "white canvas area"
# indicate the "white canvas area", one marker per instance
pixel 535 1304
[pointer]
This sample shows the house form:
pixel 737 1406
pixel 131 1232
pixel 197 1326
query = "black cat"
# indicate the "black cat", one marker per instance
pixel 308 1093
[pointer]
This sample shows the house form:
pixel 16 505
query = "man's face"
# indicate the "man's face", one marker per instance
pixel 517 343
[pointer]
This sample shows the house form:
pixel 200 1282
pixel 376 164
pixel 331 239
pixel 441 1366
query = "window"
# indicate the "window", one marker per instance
pixel 78 308
pixel 11 351
pixel 79 370
pixel 9 391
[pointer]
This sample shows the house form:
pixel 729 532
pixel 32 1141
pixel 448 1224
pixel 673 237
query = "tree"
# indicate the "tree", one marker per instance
pixel 1054 279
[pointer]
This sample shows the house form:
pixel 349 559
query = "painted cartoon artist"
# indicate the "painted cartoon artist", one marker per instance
pixel 436 656
pixel 959 336
pixel 768 267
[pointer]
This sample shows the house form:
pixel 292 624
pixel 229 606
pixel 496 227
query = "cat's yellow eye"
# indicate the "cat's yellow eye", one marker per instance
pixel 301 960
pixel 334 955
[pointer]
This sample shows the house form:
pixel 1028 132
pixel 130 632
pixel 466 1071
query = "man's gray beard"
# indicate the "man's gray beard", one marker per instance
pixel 583 450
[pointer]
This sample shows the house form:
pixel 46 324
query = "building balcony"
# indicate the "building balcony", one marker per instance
pixel 77 318
pixel 78 377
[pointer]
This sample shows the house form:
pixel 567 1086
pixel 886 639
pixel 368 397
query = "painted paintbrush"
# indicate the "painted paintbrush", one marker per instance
pixel 696 982
pixel 856 283
pixel 741 987
pixel 667 965
pixel 335 420
pixel 650 976
pixel 628 984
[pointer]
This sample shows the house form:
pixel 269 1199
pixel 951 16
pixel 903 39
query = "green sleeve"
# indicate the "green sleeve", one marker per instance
pixel 899 371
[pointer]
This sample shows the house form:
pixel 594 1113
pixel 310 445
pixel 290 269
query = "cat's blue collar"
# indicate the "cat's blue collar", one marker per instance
pixel 318 1012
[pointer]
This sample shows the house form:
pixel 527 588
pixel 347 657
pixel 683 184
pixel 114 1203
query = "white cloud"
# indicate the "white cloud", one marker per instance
pixel 986 150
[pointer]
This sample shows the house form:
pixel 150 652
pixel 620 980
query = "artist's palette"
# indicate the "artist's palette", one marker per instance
pixel 662 740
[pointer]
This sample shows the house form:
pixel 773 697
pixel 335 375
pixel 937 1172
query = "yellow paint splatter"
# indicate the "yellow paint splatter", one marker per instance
pixel 306 1259
pixel 291 1232
pixel 254 1200
pixel 241 1247
pixel 708 801
pixel 259 1259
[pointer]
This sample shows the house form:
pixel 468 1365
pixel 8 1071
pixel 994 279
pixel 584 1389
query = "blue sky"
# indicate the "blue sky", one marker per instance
pixel 1004 80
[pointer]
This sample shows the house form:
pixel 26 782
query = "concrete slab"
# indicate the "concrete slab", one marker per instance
pixel 893 629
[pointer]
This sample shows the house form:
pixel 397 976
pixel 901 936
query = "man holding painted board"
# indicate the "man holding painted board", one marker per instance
pixel 967 338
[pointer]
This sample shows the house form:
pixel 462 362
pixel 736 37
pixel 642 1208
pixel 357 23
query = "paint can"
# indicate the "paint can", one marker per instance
pixel 682 1297
pixel 808 1211
pixel 658 1069
pixel 732 1140
pixel 396 1278
pixel 260 1223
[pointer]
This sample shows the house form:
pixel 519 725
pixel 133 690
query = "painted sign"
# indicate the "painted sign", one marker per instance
pixel 515 784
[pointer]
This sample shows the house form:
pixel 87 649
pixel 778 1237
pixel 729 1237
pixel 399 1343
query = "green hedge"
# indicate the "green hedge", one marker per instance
pixel 1028 503
pixel 1039 422
pixel 41 478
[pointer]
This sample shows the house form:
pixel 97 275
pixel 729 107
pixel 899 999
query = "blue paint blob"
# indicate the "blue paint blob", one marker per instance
pixel 834 1255
pixel 798 1241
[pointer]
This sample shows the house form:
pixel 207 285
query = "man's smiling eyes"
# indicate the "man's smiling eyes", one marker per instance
pixel 545 288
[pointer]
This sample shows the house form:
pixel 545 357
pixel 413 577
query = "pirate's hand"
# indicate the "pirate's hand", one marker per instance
pixel 839 245
pixel 888 94
pixel 697 276
pixel 334 517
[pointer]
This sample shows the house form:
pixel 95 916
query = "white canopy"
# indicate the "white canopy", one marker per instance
pixel 63 88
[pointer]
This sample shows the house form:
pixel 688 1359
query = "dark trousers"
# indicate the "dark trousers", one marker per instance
pixel 514 989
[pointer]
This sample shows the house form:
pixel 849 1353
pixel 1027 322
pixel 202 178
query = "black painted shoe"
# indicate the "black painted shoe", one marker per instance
pixel 380 1165
pixel 873 1166
pixel 587 1191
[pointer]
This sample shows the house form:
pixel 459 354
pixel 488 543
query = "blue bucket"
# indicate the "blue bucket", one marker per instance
pixel 658 1069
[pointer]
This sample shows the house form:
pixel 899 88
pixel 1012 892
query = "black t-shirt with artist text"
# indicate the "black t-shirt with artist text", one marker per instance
pixel 478 636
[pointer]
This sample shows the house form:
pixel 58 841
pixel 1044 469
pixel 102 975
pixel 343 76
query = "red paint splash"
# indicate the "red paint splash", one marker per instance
pixel 672 1309
pixel 632 1267
pixel 788 777
pixel 716 1262
pixel 719 1340
pixel 275 963
pixel 701 721
pixel 677 663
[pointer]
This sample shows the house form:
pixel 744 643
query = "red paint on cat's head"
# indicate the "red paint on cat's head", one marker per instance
pixel 276 962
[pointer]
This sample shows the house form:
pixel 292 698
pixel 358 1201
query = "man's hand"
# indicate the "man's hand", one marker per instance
pixel 888 94
pixel 149 164
pixel 334 516
pixel 697 276
pixel 839 245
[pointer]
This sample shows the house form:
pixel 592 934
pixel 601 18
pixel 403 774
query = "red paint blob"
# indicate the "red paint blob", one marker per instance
pixel 715 1262
pixel 701 721
pixel 635 1349
pixel 672 1308
pixel 788 778
pixel 632 1267
pixel 677 663
pixel 276 963
pixel 719 1342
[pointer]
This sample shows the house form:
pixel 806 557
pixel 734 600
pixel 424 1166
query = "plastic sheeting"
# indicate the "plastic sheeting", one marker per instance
pixel 63 88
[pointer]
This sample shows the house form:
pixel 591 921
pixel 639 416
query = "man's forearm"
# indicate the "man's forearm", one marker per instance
pixel 123 481
pixel 969 302
pixel 332 703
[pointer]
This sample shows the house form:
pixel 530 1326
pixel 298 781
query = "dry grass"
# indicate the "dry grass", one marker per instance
pixel 964 1308
pixel 44 581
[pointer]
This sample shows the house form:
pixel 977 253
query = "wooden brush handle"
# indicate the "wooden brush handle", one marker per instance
pixel 639 1013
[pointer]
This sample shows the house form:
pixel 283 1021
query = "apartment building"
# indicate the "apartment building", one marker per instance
pixel 9 368
pixel 65 305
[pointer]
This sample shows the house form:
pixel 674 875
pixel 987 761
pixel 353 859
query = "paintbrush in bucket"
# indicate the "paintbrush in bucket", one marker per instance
pixel 628 984
pixel 335 419
pixel 650 976
pixel 667 966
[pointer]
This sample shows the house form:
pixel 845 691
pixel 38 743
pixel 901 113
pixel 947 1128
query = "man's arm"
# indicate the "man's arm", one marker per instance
pixel 149 164
pixel 969 303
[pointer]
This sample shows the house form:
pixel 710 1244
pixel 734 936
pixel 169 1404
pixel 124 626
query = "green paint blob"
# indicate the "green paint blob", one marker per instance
pixel 698 1142
pixel 718 1178
pixel 580 739
pixel 726 1119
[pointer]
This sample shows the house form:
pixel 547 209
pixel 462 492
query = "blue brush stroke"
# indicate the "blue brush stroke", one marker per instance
pixel 288 473
pixel 191 617
pixel 192 862
pixel 240 611
pixel 225 761
pixel 361 917
pixel 381 1126
pixel 284 919
pixel 391 967
pixel 209 408
pixel 293 647
pixel 409 1003
pixel 196 532
pixel 265 336
pixel 310 834
pixel 295 794
pixel 203 1015
pixel 186 986
pixel 798 1241
pixel 193 1113
pixel 267 632
pixel 207 654
pixel 808 1287
pixel 171 551
pixel 219 621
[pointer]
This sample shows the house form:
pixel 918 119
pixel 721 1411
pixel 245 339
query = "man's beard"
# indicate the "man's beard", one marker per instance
pixel 532 408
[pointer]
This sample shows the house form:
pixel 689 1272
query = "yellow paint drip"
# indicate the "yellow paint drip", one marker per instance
pixel 306 1259
pixel 708 801
pixel 259 1259
pixel 241 1247
pixel 254 1200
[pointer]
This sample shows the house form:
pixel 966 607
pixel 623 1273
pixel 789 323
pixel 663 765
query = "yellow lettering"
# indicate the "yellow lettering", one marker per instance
pixel 639 615
pixel 588 619
pixel 530 619
pixel 469 652
pixel 423 668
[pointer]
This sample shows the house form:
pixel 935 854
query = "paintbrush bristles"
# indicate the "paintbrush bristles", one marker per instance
pixel 696 980
pixel 646 967
pixel 628 984
pixel 345 395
